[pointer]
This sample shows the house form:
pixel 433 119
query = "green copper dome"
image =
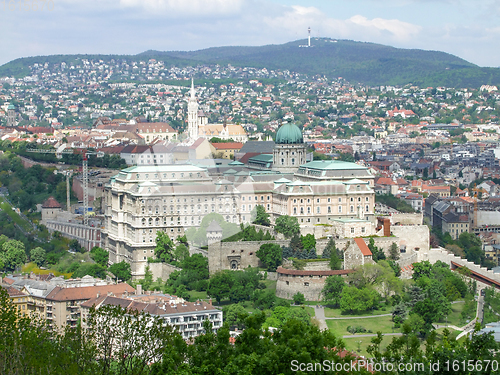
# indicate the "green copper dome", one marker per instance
pixel 289 134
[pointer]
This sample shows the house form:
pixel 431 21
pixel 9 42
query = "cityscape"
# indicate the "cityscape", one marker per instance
pixel 247 210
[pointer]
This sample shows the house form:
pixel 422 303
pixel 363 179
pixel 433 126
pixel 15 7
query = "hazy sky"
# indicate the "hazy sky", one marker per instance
pixel 467 28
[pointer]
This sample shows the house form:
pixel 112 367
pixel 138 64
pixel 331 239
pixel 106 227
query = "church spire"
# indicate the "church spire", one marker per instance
pixel 192 92
pixel 192 114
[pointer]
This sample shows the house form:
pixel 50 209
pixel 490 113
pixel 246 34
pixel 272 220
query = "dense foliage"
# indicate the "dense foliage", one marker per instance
pixel 270 254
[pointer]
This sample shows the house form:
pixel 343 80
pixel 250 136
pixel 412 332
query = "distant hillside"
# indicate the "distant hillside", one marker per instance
pixel 367 63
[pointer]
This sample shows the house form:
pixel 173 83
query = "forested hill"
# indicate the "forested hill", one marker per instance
pixel 358 62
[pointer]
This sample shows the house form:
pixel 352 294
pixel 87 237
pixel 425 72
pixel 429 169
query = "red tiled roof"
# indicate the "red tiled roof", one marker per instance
pixel 13 292
pixel 384 181
pixel 8 281
pixel 51 203
pixel 363 247
pixel 155 127
pixel 228 146
pixel 88 292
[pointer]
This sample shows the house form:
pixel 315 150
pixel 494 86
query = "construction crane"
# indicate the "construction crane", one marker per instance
pixel 85 175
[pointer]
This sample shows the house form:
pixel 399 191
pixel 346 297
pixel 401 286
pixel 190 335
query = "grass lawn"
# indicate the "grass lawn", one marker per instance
pixel 270 284
pixel 336 313
pixel 454 317
pixel 363 342
pixel 32 267
pixel 383 324
pixel 197 295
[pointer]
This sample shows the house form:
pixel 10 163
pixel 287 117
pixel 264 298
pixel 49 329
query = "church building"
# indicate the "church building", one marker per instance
pixel 198 125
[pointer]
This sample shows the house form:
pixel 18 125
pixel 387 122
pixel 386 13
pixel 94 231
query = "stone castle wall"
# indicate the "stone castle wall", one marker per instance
pixel 289 285
pixel 162 270
pixel 224 255
pixel 407 218
pixel 414 237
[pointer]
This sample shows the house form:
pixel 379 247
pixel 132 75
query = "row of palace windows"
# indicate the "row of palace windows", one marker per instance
pixel 329 200
pixel 173 175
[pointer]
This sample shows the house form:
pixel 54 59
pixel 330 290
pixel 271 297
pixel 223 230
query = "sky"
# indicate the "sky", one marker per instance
pixel 469 29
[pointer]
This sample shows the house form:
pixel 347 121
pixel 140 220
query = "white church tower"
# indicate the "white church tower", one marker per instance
pixel 192 114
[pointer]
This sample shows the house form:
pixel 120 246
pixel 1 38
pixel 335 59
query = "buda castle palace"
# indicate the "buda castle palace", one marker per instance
pixel 141 200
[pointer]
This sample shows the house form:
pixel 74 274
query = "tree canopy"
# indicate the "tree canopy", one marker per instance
pixel 100 256
pixel 270 254
pixel 261 216
pixel 121 270
pixel 287 225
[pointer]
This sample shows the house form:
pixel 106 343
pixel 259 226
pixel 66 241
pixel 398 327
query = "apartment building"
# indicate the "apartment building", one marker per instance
pixel 186 317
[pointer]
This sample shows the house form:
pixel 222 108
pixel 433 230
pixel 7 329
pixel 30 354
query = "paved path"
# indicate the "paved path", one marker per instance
pixel 358 317
pixel 437 326
pixel 319 312
pixel 372 335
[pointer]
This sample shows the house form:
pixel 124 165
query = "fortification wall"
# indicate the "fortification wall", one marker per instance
pixel 236 255
pixel 414 237
pixel 443 255
pixel 319 231
pixel 162 270
pixel 416 218
pixel 289 285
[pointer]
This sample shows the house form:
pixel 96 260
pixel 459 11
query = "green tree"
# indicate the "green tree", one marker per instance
pixel 121 270
pixel 37 255
pixel 91 269
pixel 421 269
pixel 126 341
pixel 13 254
pixel 332 291
pixel 270 254
pixel 329 248
pixel 148 278
pixel 181 252
pixel 296 245
pixel 263 299
pixel 220 285
pixel 308 241
pixel 234 315
pixel 394 251
pixel 356 300
pixel 287 225
pixel 164 247
pixel 335 262
pixel 100 256
pixel 299 299
pixel 74 245
pixel 261 216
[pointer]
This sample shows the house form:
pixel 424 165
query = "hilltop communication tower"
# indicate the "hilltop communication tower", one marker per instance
pixel 308 39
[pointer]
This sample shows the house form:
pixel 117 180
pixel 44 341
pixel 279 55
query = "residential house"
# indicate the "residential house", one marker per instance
pixel 226 149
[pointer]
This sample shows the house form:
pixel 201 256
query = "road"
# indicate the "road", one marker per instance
pixel 319 312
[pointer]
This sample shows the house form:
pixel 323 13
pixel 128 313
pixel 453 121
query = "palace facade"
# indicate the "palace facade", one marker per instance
pixel 142 200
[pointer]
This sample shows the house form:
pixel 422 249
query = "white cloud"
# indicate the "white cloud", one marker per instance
pixel 398 29
pixel 357 27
